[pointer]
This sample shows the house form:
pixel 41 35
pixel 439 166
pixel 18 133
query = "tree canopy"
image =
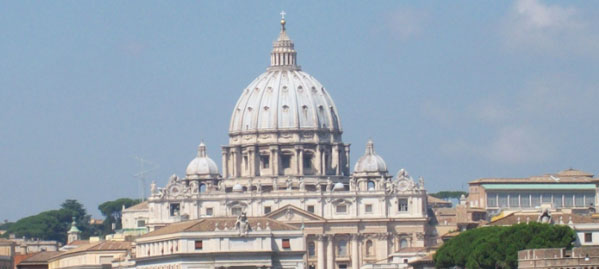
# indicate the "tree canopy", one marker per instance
pixel 112 211
pixel 449 194
pixel 498 246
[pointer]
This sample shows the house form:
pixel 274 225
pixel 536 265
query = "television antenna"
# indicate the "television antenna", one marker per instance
pixel 145 167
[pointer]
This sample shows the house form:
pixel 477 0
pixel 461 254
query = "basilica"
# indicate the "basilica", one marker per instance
pixel 285 196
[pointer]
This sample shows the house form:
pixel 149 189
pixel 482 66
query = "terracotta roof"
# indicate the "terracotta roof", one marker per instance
pixel 41 257
pixel 207 225
pixel 445 211
pixel 78 243
pixel 100 246
pixel 574 172
pixel 512 218
pixel 435 200
pixel 141 206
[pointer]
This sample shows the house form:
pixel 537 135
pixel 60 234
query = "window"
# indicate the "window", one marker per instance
pixel 368 208
pixel 502 200
pixel 311 208
pixel 202 188
pixel 266 209
pixel 209 211
pixel 557 200
pixel 286 161
pixel 175 209
pixel 589 199
pixel 546 198
pixel 588 237
pixel 236 211
pixel 311 266
pixel 403 205
pixel 403 243
pixel 342 248
pixel 491 200
pixel 369 248
pixel 405 260
pixel 341 209
pixel 370 185
pixel 535 200
pixel 514 200
pixel 265 160
pixel 343 266
pixel 199 244
pixel 307 160
pixel 311 249
pixel 525 200
pixel 286 243
pixel 245 161
pixel 141 223
pixel 579 200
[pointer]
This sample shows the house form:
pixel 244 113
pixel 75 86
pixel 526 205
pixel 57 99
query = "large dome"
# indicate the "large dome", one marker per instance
pixel 284 97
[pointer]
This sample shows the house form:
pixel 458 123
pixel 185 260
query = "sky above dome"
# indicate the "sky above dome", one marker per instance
pixel 451 91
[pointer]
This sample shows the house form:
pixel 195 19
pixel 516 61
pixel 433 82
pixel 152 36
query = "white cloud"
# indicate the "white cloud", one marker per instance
pixel 406 23
pixel 540 27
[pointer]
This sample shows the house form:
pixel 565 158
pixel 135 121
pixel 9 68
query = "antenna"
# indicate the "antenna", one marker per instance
pixel 145 167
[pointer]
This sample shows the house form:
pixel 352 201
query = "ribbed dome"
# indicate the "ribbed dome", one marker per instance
pixel 201 166
pixel 370 161
pixel 284 97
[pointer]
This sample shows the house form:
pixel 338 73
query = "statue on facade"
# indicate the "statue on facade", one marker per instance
pixel 329 185
pixel 421 183
pixel 221 186
pixel 302 185
pixel 258 187
pixel 153 189
pixel 275 186
pixel 242 224
pixel 352 184
pixel 289 183
pixel 173 179
pixel 545 217
pixel 318 187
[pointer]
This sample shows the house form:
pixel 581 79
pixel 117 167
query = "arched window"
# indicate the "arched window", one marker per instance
pixel 341 248
pixel 311 249
pixel 369 248
pixel 403 243
pixel 370 186
pixel 202 188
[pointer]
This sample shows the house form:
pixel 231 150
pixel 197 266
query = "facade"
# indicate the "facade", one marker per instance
pixel 99 255
pixel 286 161
pixel 570 189
pixel 577 258
pixel 7 254
pixel 222 242
pixel 25 246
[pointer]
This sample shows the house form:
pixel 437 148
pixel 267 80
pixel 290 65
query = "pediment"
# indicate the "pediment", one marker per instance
pixel 291 213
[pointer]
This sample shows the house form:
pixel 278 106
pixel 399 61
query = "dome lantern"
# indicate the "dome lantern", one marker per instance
pixel 283 54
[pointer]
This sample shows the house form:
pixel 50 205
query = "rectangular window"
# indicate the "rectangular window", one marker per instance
pixel 265 160
pixel 525 200
pixel 568 200
pixel 266 209
pixel 546 198
pixel 588 237
pixel 141 223
pixel 514 200
pixel 286 161
pixel 341 209
pixel 311 208
pixel 199 244
pixel 502 200
pixel 368 208
pixel 589 199
pixel 175 209
pixel 246 162
pixel 286 243
pixel 557 200
pixel 307 161
pixel 579 200
pixel 403 205
pixel 491 200
pixel 535 200
pixel 209 211
pixel 236 211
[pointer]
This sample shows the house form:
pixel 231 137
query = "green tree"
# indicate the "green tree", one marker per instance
pixel 112 211
pixel 498 246
pixel 449 194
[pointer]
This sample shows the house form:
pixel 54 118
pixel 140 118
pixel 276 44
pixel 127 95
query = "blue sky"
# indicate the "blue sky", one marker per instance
pixel 451 91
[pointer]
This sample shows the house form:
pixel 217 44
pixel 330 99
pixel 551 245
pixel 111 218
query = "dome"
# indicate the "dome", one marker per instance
pixel 370 162
pixel 284 97
pixel 338 186
pixel 201 166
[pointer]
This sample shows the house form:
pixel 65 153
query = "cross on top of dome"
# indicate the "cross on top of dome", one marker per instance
pixel 283 54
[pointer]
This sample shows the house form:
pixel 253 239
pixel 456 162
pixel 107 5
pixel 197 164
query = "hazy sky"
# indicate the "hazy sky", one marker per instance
pixel 451 91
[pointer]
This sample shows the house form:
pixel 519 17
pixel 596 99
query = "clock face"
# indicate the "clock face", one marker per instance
pixel 174 190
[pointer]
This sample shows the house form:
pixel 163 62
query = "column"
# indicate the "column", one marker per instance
pixel 335 159
pixel 274 160
pixel 330 252
pixel 225 163
pixel 346 164
pixel 320 249
pixel 354 251
pixel 318 160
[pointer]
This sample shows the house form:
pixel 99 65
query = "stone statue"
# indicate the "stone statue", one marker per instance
pixel 329 184
pixel 352 184
pixel 173 179
pixel 421 183
pixel 275 186
pixel 545 217
pixel 153 189
pixel 318 187
pixel 258 187
pixel 289 183
pixel 221 186
pixel 242 224
pixel 302 185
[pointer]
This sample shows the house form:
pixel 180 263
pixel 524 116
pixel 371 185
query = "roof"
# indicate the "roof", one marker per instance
pixel 521 217
pixel 141 206
pixel 107 245
pixel 434 200
pixel 539 186
pixel 565 176
pixel 208 225
pixel 412 249
pixel 41 257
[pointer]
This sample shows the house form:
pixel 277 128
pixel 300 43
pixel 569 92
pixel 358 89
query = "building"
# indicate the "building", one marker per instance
pixel 99 255
pixel 25 246
pixel 37 260
pixel 570 189
pixel 7 254
pixel 577 258
pixel 286 161
pixel 223 242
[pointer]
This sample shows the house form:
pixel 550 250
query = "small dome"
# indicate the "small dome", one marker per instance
pixel 237 188
pixel 370 162
pixel 201 166
pixel 338 186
